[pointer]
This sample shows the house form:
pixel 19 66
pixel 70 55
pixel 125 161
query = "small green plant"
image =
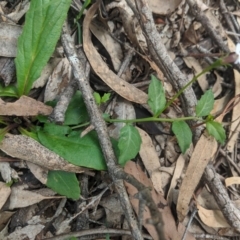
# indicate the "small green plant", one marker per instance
pixel 99 100
pixel 37 42
pixel 183 133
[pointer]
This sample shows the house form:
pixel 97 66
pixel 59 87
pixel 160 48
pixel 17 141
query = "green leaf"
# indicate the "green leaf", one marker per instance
pixel 25 132
pixel 97 98
pixel 64 183
pixel 183 134
pixel 76 112
pixel 86 3
pixel 156 96
pixel 129 144
pixel 85 151
pixel 36 44
pixel 216 130
pixel 9 91
pixel 3 131
pixel 205 104
pixel 105 97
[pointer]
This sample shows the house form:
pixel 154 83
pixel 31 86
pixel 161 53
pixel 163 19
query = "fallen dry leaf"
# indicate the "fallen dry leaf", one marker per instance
pixel 120 86
pixel 40 173
pixel 58 80
pixel 28 232
pixel 5 191
pixel 4 218
pixel 24 106
pixel 235 126
pixel 150 160
pixel 46 72
pixel 195 169
pixel 163 7
pixel 171 231
pixel 232 180
pixel 212 218
pixel 22 198
pixel 28 149
pixel 175 178
pixel 112 46
pixel 193 63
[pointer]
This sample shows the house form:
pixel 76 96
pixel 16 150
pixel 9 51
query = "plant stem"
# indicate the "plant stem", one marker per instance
pixel 81 125
pixel 207 69
pixel 151 119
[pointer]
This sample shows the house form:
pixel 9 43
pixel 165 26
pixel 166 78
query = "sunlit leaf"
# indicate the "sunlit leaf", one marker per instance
pixel 97 97
pixel 216 130
pixel 36 44
pixel 205 104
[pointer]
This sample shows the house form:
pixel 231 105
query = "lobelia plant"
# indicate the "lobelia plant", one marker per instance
pixel 157 102
pixel 35 46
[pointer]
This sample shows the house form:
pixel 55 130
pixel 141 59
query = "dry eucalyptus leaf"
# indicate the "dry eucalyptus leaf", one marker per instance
pixel 112 46
pixel 175 178
pixel 28 149
pixel 7 173
pixel 58 80
pixel 192 62
pixel 40 173
pixel 163 7
pixel 4 218
pixel 46 72
pixel 212 218
pixel 197 164
pixel 29 232
pixel 24 106
pixel 232 180
pixel 220 104
pixel 206 199
pixel 113 209
pixel 235 126
pixel 5 191
pixel 120 86
pixel 22 198
pixel 130 24
pixel 150 160
pixel 170 229
pixel 20 10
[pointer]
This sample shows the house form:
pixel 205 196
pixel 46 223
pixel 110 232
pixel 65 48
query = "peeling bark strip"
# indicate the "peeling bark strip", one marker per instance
pixel 26 148
pixel 229 210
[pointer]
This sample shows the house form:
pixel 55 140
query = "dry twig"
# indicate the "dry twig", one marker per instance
pixel 230 212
